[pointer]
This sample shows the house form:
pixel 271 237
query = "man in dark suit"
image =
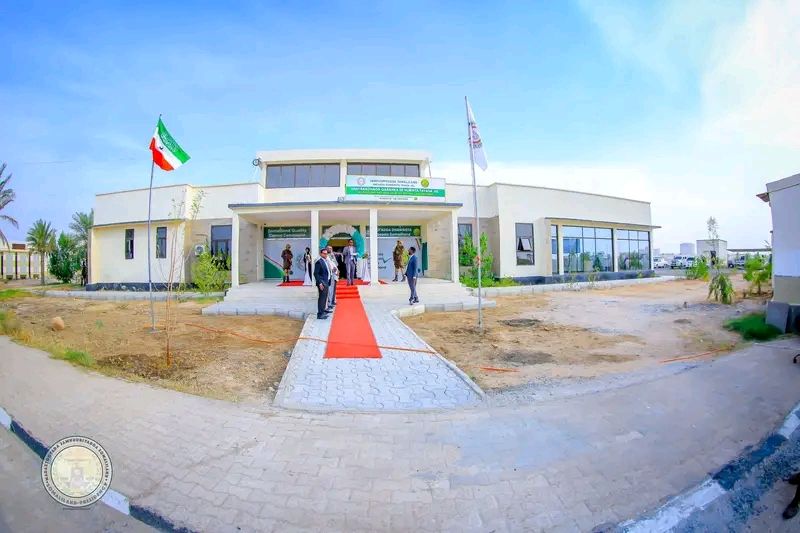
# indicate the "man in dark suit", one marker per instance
pixel 412 269
pixel 322 278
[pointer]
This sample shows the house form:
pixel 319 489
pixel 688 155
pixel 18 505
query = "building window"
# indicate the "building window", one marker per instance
pixel 634 249
pixel 524 233
pixel 128 244
pixel 587 249
pixel 554 248
pixel 221 244
pixel 161 242
pixel 382 169
pixel 293 176
pixel 464 232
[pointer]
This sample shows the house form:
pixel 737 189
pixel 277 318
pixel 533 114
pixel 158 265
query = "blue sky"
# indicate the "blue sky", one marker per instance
pixel 688 105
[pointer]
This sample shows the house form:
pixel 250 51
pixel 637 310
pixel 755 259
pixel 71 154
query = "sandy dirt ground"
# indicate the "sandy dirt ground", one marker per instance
pixel 584 334
pixel 209 363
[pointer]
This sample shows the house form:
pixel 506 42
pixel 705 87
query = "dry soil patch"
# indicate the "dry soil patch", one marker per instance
pixel 117 335
pixel 584 334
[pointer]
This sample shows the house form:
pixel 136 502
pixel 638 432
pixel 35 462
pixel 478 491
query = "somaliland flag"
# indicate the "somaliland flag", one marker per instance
pixel 167 154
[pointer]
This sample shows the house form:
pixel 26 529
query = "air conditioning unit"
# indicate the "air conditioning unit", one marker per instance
pixel 199 249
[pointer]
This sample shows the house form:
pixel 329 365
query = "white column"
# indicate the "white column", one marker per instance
pixel 454 246
pixel 259 252
pixel 314 234
pixel 560 244
pixel 614 260
pixel 235 250
pixel 373 246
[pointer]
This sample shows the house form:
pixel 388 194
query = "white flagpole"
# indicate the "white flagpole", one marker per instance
pixel 149 267
pixel 477 224
pixel 149 270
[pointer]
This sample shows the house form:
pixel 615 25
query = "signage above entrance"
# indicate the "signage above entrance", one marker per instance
pixel 288 232
pixel 394 189
pixel 398 231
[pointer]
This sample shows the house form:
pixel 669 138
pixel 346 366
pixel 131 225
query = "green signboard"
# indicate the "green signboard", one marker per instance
pixel 398 231
pixel 394 188
pixel 288 232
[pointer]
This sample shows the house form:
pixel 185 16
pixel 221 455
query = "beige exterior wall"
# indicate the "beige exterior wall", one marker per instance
pixel 437 233
pixel 786 289
pixel 108 254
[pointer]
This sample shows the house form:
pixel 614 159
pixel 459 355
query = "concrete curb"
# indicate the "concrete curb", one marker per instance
pixel 577 286
pixel 116 500
pixel 681 507
pixel 124 295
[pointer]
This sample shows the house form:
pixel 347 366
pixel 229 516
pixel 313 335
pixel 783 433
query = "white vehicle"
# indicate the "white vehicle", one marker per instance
pixel 660 262
pixel 679 261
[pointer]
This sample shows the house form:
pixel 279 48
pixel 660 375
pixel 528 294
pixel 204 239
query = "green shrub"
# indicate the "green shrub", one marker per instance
pixel 75 357
pixel 753 327
pixel 699 270
pixel 758 272
pixel 65 261
pixel 721 288
pixel 207 274
pixel 488 282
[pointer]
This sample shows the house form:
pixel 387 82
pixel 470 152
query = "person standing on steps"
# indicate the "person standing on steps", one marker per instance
pixel 397 257
pixel 322 278
pixel 333 264
pixel 350 260
pixel 287 257
pixel 412 269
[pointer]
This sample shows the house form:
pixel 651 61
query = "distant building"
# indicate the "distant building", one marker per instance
pixel 17 261
pixel 713 249
pixel 687 248
pixel 784 198
pixel 656 252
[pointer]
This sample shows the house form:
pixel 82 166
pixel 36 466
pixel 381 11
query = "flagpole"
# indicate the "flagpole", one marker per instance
pixel 477 225
pixel 149 269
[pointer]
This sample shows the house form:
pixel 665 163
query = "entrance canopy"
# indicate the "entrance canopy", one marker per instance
pixel 429 226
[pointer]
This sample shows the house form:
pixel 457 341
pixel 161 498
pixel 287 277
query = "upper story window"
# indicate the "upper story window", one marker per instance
pixel 292 176
pixel 128 244
pixel 382 169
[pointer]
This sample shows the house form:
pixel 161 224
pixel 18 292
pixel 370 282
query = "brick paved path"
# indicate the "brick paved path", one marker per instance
pixel 399 380
pixel 561 465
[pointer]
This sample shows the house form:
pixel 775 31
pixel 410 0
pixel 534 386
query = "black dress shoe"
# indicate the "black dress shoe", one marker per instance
pixel 790 512
pixel 322 317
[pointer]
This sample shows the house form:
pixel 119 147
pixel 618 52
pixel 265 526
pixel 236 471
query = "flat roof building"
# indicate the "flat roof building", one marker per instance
pixel 783 311
pixel 308 198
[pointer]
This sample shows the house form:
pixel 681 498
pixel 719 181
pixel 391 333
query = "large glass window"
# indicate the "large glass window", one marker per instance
pixel 587 249
pixel 524 234
pixel 554 248
pixel 221 243
pixel 382 169
pixel 128 244
pixel 290 176
pixel 634 249
pixel 161 242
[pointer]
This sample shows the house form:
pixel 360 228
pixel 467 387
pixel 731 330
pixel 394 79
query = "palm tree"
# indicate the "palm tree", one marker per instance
pixel 42 240
pixel 6 197
pixel 81 226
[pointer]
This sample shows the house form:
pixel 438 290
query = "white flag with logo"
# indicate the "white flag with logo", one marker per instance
pixel 475 141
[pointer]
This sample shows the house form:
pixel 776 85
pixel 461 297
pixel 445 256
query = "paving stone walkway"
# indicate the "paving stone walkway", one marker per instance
pixel 562 465
pixel 399 380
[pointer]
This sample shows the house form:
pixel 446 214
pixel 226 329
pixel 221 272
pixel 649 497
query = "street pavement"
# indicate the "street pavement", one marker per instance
pixel 569 464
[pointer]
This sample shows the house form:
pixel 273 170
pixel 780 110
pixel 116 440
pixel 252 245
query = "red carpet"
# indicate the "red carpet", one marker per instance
pixel 351 335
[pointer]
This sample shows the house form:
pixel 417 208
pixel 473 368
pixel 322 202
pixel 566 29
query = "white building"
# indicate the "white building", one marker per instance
pixel 306 198
pixel 713 248
pixel 18 261
pixel 784 198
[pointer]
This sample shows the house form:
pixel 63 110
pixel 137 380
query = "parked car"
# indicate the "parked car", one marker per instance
pixel 660 262
pixel 689 262
pixel 679 261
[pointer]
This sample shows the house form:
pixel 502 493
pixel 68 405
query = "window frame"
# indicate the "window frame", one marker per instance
pixel 586 240
pixel 214 246
pixel 518 242
pixel 130 236
pixel 285 176
pixel 379 168
pixel 634 236
pixel 161 247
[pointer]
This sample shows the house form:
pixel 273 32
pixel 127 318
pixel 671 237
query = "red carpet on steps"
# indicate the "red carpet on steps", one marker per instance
pixel 351 335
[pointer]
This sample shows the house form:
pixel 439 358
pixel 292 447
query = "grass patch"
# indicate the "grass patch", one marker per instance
pixel 488 282
pixel 753 327
pixel 8 294
pixel 203 300
pixel 75 357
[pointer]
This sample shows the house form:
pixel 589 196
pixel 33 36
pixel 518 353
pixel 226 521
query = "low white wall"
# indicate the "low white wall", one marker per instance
pixel 578 286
